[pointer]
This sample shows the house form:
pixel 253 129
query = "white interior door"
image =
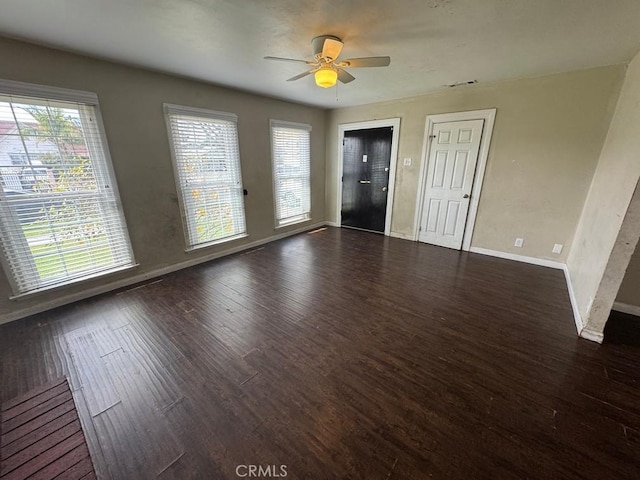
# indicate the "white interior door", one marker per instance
pixel 451 166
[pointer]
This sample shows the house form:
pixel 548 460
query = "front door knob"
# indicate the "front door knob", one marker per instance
pixel 466 195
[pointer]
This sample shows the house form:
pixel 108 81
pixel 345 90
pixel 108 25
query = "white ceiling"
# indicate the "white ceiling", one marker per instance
pixel 431 42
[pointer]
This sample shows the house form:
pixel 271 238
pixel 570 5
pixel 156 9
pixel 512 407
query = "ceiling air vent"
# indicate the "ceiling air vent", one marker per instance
pixel 469 82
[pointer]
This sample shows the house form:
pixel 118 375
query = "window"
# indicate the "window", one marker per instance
pixel 291 171
pixel 60 214
pixel 207 167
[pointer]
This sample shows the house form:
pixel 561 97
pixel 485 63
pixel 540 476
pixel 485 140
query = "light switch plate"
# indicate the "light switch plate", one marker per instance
pixel 364 158
pixel 407 162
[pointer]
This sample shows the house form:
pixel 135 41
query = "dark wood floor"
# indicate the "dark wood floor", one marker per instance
pixel 339 354
pixel 622 329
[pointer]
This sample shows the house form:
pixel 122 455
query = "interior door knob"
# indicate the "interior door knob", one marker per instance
pixel 466 195
pixel 384 189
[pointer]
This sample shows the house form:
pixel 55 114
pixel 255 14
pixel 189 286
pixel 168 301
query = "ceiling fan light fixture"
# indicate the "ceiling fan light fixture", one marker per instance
pixel 326 77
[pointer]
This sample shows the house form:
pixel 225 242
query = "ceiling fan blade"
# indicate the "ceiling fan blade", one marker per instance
pixel 331 48
pixel 282 59
pixel 303 74
pixel 344 76
pixel 365 62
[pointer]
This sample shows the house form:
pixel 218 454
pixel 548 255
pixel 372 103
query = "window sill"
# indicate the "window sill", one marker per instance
pixel 215 242
pixel 294 221
pixel 75 281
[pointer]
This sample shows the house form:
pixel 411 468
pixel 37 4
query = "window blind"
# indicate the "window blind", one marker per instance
pixel 291 171
pixel 207 166
pixel 60 215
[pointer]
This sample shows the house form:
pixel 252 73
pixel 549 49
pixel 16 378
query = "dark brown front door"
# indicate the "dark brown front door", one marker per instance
pixel 365 178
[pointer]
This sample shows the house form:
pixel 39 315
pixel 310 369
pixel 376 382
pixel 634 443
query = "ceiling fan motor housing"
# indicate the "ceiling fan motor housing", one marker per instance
pixel 317 44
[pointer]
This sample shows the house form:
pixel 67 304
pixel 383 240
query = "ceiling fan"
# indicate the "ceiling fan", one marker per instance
pixel 325 67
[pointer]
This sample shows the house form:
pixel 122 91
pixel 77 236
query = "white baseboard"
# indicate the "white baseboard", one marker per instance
pixel 74 297
pixel 591 335
pixel 403 236
pixel 519 258
pixel 626 308
pixel 588 334
pixel 574 303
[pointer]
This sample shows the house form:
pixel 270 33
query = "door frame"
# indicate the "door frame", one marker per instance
pixel 489 116
pixel 347 127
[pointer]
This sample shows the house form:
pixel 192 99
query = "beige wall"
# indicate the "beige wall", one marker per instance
pixel 605 208
pixel 131 102
pixel 546 141
pixel 629 292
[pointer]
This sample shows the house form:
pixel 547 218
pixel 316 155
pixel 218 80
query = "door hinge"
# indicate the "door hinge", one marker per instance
pixel 342 179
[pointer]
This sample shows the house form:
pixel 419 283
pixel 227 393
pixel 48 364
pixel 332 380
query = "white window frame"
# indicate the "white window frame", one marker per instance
pixel 11 87
pixel 207 114
pixel 304 217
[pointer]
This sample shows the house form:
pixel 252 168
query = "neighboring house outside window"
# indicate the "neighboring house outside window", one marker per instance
pixel 16 171
pixel 60 214
pixel 291 156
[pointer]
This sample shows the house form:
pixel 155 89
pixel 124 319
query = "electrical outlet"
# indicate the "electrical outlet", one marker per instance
pixel 407 162
pixel 557 248
pixel 519 242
